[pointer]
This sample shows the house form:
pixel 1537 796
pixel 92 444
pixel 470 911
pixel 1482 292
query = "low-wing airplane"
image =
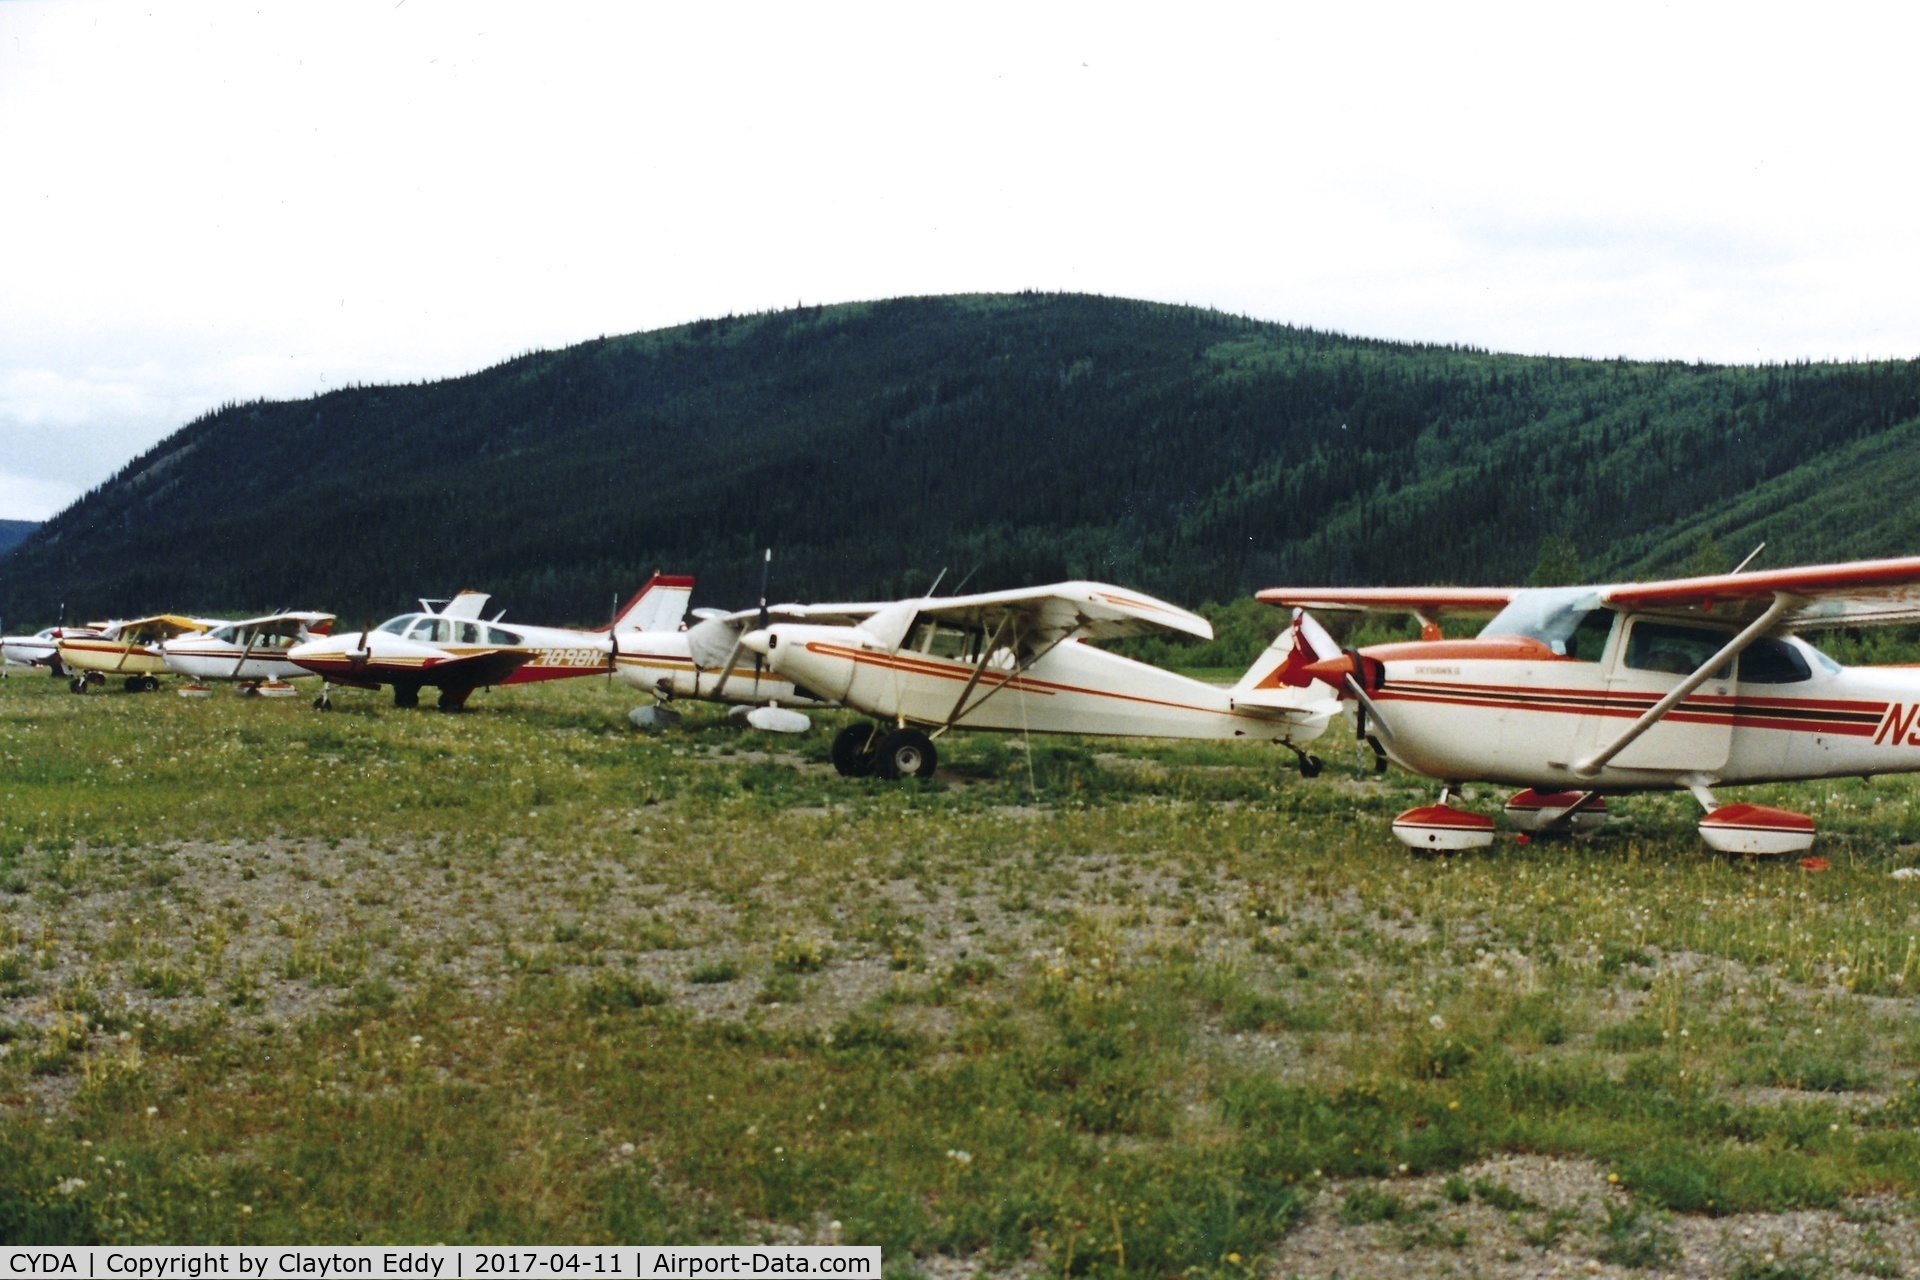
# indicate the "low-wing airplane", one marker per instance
pixel 456 650
pixel 1577 693
pixel 1016 661
pixel 251 653
pixel 41 648
pixel 127 649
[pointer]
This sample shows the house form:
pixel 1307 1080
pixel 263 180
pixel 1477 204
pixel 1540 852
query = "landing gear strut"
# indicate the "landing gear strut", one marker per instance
pixel 1310 764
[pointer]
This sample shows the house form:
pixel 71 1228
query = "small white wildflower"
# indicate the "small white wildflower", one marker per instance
pixel 1437 1022
pixel 959 1157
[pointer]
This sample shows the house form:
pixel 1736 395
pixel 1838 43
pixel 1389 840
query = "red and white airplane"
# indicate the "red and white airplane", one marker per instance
pixel 250 653
pixel 1577 693
pixel 1016 661
pixel 455 650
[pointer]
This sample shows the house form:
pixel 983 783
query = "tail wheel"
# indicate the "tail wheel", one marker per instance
pixel 853 750
pixel 907 753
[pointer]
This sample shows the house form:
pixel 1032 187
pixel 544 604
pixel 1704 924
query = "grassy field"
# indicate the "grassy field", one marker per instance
pixel 525 974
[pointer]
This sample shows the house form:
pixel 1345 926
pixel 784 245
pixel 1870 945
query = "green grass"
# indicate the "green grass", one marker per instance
pixel 267 974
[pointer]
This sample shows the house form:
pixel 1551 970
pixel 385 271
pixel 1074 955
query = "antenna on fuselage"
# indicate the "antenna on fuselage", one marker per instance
pixel 1750 555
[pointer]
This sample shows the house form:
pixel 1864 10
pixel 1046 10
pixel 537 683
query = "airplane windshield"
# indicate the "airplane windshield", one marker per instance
pixel 394 626
pixel 1550 615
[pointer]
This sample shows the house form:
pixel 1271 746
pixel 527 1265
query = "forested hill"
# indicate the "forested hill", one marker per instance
pixel 12 531
pixel 1019 438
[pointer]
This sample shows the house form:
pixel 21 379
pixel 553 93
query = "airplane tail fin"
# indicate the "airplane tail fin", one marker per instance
pixel 1284 662
pixel 658 606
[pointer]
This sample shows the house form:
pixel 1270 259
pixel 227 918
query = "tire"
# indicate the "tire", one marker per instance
pixel 150 684
pixel 1310 766
pixel 853 750
pixel 907 753
pixel 76 685
pixel 323 703
pixel 134 684
pixel 405 695
pixel 454 699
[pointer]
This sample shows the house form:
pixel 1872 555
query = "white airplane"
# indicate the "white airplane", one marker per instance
pixel 41 648
pixel 456 650
pixel 127 649
pixel 1577 693
pixel 708 662
pixel 1017 661
pixel 251 653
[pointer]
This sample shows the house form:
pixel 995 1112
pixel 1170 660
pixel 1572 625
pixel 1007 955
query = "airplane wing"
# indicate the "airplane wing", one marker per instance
pixel 1423 600
pixel 492 666
pixel 1861 594
pixel 161 626
pixel 1090 610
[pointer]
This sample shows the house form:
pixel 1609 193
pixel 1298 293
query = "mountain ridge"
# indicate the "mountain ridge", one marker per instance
pixel 1015 438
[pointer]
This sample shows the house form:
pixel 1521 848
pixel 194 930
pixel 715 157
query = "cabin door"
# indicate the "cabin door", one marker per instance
pixel 1655 657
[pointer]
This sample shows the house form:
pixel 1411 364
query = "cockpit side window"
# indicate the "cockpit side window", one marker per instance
pixel 496 636
pixel 1674 649
pixel 396 626
pixel 1773 661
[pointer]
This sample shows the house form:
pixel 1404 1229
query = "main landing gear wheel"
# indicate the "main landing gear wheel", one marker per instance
pixel 77 684
pixel 323 703
pixel 454 699
pixel 406 695
pixel 853 750
pixel 906 753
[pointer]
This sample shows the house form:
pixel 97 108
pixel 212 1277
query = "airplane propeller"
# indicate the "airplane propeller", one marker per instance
pixel 766 567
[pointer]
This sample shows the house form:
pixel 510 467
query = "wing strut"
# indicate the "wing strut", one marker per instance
pixel 1654 714
pixel 1018 667
pixel 979 668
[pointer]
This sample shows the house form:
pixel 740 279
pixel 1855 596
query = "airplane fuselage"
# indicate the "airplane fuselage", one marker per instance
pixel 1509 710
pixel 1071 688
pixel 661 663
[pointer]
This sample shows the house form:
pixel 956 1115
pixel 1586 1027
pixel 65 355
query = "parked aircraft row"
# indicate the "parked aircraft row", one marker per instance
pixel 1571 694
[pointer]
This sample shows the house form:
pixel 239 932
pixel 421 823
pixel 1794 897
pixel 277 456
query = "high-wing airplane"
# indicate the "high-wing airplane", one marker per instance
pixel 127 649
pixel 456 650
pixel 251 653
pixel 41 648
pixel 1017 661
pixel 708 662
pixel 1577 693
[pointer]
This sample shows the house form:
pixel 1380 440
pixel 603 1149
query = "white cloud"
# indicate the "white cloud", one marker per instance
pixel 219 202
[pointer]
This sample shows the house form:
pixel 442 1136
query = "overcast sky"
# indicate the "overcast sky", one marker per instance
pixel 202 203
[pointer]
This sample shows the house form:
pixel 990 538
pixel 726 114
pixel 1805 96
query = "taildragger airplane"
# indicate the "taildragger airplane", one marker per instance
pixel 1016 661
pixel 456 650
pixel 1578 693
pixel 250 653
